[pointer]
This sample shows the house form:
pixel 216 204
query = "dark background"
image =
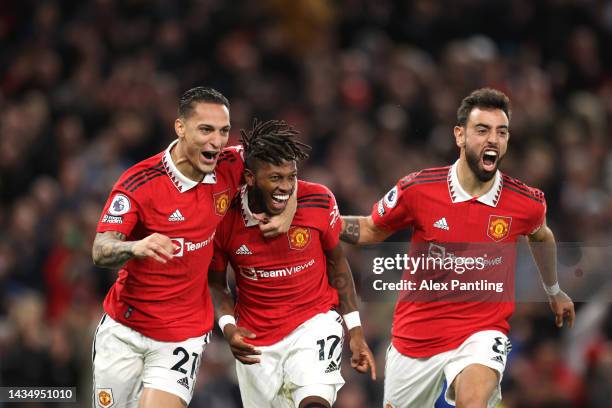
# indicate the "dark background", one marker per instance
pixel 88 88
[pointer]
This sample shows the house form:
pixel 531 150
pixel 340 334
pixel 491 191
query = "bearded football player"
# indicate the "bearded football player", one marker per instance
pixel 471 201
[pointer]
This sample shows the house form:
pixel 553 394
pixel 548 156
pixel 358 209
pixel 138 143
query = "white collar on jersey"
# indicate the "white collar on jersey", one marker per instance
pixel 247 215
pixel 180 181
pixel 459 195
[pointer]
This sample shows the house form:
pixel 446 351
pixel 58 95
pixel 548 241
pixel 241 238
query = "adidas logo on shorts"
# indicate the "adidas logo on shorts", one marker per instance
pixel 332 367
pixel 184 382
pixel 499 359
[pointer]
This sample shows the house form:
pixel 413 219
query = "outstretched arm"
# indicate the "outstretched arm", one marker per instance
pixel 361 230
pixel 111 250
pixel 544 249
pixel 340 277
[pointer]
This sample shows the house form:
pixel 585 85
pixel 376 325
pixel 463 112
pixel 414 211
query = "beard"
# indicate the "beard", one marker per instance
pixel 474 159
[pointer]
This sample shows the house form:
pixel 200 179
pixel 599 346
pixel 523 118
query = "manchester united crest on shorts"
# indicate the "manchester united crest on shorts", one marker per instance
pixel 104 397
pixel 499 227
pixel 299 237
pixel 222 201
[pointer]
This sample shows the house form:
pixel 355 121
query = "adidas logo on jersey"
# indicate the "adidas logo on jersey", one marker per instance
pixel 176 216
pixel 442 224
pixel 243 250
pixel 332 367
pixel 184 382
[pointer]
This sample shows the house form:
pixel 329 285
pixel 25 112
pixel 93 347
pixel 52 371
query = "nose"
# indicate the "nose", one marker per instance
pixel 286 185
pixel 493 138
pixel 216 140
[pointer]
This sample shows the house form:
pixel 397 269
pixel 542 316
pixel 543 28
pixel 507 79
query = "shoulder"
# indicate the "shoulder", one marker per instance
pixel 521 190
pixel 314 195
pixel 231 154
pixel 434 175
pixel 141 174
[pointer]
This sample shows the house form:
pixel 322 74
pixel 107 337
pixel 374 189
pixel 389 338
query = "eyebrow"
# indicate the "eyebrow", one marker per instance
pixel 489 127
pixel 209 126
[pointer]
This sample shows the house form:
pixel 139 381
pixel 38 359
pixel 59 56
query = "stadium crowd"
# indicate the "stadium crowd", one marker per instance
pixel 89 88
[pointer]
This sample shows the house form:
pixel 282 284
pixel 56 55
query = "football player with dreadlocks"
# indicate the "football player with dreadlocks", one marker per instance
pixel 285 328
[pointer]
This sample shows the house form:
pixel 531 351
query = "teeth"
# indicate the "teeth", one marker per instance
pixel 491 153
pixel 283 197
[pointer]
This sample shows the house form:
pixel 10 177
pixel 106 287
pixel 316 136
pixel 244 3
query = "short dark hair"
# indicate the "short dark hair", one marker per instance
pixel 199 94
pixel 272 142
pixel 487 98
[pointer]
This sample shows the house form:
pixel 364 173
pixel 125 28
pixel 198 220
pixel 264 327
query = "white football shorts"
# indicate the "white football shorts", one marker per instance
pixel 125 362
pixel 305 363
pixel 417 382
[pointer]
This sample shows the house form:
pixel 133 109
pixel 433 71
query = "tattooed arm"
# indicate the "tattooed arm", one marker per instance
pixel 361 230
pixel 340 277
pixel 111 250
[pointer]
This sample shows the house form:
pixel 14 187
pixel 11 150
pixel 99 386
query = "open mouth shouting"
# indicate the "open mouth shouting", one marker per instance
pixel 209 157
pixel 489 159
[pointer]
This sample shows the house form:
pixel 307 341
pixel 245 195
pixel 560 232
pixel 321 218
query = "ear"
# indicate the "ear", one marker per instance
pixel 179 128
pixel 459 136
pixel 249 177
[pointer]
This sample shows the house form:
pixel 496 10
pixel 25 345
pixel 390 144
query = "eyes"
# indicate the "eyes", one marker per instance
pixel 207 130
pixel 275 178
pixel 483 131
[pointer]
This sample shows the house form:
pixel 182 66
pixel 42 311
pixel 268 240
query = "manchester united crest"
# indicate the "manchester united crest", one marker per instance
pixel 299 237
pixel 222 202
pixel 105 397
pixel 499 227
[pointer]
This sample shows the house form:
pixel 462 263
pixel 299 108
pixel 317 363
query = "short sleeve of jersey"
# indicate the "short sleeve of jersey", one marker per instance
pixel 231 161
pixel 121 212
pixel 537 216
pixel 220 259
pixel 331 235
pixel 394 211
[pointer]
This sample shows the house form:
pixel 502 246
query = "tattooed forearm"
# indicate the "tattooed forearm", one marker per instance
pixel 350 230
pixel 343 282
pixel 341 278
pixel 110 249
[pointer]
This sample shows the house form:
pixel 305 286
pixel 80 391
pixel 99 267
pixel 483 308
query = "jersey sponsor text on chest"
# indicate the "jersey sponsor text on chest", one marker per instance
pixel 255 274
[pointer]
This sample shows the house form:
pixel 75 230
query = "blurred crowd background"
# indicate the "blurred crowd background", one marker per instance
pixel 88 88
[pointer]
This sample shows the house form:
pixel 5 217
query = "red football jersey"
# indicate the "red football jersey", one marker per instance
pixel 280 282
pixel 168 302
pixel 441 213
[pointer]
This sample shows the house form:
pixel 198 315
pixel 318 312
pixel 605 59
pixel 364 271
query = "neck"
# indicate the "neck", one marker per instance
pixel 468 180
pixel 183 165
pixel 255 203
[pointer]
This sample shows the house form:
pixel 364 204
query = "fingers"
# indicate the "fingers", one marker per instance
pixel 156 246
pixel 571 316
pixel 247 360
pixel 363 361
pixel 243 352
pixel 262 218
pixel 559 319
pixel 372 364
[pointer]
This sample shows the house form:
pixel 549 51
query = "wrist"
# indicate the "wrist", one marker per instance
pixel 552 290
pixel 352 320
pixel 225 320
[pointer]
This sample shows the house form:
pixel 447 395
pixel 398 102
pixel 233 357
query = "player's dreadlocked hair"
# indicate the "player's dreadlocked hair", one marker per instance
pixel 272 142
